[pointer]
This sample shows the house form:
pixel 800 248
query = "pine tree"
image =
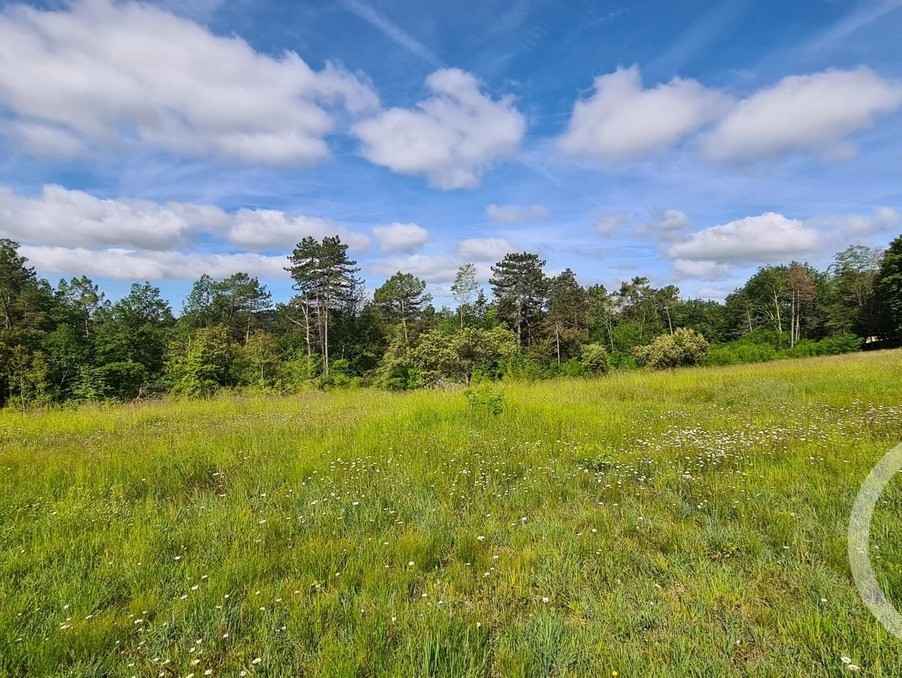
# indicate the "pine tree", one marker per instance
pixel 325 278
pixel 566 320
pixel 401 299
pixel 852 281
pixel 520 289
pixel 889 291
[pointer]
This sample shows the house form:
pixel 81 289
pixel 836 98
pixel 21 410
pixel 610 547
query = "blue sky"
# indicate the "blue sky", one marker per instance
pixel 690 142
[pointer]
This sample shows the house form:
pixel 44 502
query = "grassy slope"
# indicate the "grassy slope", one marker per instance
pixel 684 523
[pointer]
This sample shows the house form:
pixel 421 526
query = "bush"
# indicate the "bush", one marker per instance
pixel 203 364
pixel 740 352
pixel 521 367
pixel 396 370
pixel 841 343
pixel 594 358
pixel 116 381
pixel 573 368
pixel 301 371
pixel 485 398
pixel 621 360
pixel 339 375
pixel 756 348
pixel 682 348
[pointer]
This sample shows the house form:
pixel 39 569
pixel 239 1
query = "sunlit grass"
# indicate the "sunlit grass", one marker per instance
pixel 683 523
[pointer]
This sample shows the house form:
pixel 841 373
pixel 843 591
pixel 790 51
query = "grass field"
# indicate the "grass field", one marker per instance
pixel 685 523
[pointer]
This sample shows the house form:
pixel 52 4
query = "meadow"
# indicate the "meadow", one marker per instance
pixel 679 523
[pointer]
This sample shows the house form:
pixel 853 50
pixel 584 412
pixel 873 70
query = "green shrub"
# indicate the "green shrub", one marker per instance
pixel 682 348
pixel 573 368
pixel 521 367
pixel 113 381
pixel 841 343
pixel 621 360
pixel 758 347
pixel 594 358
pixel 485 398
pixel 740 352
pixel 203 364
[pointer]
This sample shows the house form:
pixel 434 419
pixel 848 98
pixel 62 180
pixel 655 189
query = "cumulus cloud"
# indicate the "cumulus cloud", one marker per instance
pixel 514 214
pixel 767 238
pixel 130 264
pixel 99 72
pixel 623 120
pixel 451 138
pixel 702 270
pixel 483 249
pixel 609 223
pixel 666 224
pixel 801 113
pixel 431 268
pixel 883 220
pixel 262 229
pixel 68 218
pixel 714 293
pixel 399 237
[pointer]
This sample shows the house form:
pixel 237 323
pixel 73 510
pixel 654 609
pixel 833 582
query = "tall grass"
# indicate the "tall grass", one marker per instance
pixel 686 523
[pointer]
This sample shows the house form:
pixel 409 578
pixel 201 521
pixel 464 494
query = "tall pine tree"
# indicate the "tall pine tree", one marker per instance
pixel 325 278
pixel 520 289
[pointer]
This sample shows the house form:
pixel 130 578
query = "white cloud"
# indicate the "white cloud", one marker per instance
pixel 883 219
pixel 42 139
pixel 609 223
pixel 802 112
pixel 665 224
pixel 712 293
pixel 262 229
pixel 514 214
pixel 767 238
pixel 391 30
pixel 68 218
pixel 399 237
pixel 483 249
pixel 622 120
pixel 129 264
pixel 452 137
pixel 432 269
pixel 100 72
pixel 703 270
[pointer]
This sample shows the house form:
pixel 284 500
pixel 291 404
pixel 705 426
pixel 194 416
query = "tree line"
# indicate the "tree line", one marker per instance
pixel 70 343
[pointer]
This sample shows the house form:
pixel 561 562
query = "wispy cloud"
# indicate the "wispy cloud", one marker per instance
pixel 703 32
pixel 391 30
pixel 866 14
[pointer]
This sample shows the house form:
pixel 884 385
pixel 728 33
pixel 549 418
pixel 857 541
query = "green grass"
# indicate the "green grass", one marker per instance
pixel 685 523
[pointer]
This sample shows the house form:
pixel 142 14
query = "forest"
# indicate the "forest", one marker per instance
pixel 70 343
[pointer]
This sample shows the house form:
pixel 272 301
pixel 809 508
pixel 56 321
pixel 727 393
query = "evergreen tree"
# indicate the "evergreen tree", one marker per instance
pixel 602 314
pixel 704 316
pixel 197 309
pixel 325 278
pixel 889 291
pixel 851 296
pixel 82 303
pixel 520 289
pixel 566 320
pixel 402 298
pixel 136 329
pixel 638 308
pixel 26 310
